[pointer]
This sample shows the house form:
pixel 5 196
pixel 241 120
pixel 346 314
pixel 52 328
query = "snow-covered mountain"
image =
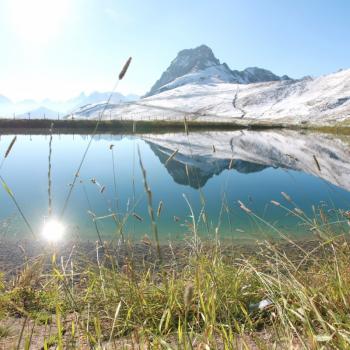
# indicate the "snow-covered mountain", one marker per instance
pixel 251 151
pixel 98 97
pixel 197 86
pixel 319 101
pixel 92 109
pixel 40 112
pixel 200 66
pixel 51 108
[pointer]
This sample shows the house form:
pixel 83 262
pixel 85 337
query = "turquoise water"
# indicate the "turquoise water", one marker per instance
pixel 212 183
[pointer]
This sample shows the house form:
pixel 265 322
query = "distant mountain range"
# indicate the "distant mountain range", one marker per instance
pixel 51 109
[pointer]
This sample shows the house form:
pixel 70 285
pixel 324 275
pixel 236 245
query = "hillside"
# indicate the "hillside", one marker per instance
pixel 197 86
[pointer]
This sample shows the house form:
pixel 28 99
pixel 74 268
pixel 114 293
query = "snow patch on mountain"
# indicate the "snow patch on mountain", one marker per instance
pixel 211 75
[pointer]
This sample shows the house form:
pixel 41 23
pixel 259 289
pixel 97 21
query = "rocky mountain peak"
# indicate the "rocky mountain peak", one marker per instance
pixel 200 66
pixel 187 61
pixel 198 58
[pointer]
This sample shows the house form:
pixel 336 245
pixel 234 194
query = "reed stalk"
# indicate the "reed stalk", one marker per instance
pixel 150 206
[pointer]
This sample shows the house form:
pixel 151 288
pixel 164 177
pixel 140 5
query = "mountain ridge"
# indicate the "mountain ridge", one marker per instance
pixel 199 63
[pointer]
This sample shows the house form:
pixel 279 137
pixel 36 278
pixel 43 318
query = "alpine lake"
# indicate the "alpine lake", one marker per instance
pixel 242 184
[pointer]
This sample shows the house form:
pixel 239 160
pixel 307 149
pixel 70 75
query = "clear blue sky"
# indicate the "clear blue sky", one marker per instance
pixel 58 48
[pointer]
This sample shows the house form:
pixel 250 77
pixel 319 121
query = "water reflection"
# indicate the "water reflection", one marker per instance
pixel 208 154
pixel 53 230
pixel 213 169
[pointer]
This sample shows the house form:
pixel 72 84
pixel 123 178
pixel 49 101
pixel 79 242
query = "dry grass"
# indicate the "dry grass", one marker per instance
pixel 202 299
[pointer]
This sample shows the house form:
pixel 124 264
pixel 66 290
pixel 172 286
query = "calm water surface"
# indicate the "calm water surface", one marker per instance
pixel 213 170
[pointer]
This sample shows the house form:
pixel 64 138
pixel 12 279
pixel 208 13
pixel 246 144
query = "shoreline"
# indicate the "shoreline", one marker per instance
pixel 15 254
pixel 117 127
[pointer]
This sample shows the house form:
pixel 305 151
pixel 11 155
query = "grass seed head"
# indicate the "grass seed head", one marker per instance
pixel 286 197
pixel 244 208
pixel 10 147
pixel 125 68
pixel 188 294
pixel 159 210
pixel 136 216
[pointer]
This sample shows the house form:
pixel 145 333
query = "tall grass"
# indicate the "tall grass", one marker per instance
pixel 283 296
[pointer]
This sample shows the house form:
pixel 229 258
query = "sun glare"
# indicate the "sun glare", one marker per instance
pixel 53 230
pixel 38 21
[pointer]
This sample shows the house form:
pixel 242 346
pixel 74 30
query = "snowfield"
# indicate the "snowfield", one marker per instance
pixel 205 95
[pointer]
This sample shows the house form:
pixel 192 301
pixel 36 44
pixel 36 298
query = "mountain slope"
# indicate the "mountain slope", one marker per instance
pixel 319 101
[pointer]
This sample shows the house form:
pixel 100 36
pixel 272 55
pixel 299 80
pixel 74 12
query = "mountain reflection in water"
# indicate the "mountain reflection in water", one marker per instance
pixel 208 154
